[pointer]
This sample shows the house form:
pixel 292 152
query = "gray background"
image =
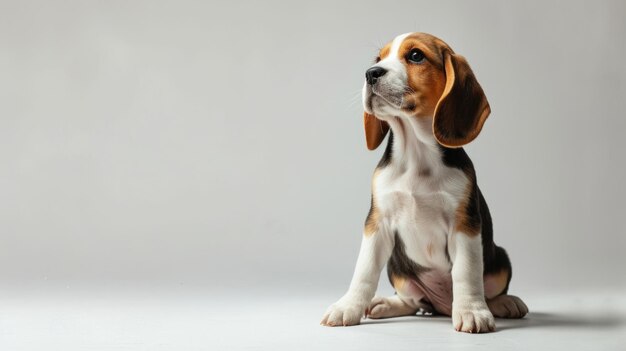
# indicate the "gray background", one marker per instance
pixel 220 144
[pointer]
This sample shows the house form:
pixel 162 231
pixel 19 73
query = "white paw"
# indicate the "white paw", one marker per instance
pixel 394 306
pixel 472 317
pixel 344 312
pixel 378 308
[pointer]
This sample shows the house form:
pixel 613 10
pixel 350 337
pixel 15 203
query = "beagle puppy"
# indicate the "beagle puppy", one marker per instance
pixel 428 220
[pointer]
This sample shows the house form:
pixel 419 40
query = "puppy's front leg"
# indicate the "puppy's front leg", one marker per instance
pixel 375 252
pixel 469 309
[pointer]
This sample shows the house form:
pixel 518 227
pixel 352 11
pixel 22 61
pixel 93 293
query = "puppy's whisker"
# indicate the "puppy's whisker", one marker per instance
pixel 356 98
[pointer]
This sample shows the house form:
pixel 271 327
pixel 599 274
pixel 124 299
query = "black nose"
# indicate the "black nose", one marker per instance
pixel 372 74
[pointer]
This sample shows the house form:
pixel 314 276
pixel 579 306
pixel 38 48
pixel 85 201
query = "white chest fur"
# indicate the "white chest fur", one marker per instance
pixel 417 197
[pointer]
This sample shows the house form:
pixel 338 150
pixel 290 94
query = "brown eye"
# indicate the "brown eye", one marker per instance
pixel 415 56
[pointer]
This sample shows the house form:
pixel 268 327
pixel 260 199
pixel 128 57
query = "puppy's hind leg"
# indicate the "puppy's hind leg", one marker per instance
pixel 496 283
pixel 507 306
pixel 406 302
pixel 394 306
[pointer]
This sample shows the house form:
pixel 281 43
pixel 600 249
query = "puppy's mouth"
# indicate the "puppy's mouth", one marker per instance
pixel 393 100
pixel 377 101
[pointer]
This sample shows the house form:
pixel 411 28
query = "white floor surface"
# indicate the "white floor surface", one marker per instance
pixel 185 320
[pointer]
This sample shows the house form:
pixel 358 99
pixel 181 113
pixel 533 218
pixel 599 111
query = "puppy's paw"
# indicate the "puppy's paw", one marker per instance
pixel 472 317
pixel 394 306
pixel 507 306
pixel 378 308
pixel 343 313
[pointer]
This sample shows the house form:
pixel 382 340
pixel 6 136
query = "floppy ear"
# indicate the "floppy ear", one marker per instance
pixel 375 130
pixel 462 108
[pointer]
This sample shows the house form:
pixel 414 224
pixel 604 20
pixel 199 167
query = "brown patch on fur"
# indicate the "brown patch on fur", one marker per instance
pixel 496 283
pixel 375 130
pixel 467 217
pixel 426 80
pixel 371 222
pixel 397 281
pixel 373 217
pixel 384 52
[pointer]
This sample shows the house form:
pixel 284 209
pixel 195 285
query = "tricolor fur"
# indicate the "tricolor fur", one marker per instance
pixel 428 221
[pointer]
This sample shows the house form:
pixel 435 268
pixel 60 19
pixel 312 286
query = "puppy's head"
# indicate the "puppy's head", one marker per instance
pixel 419 76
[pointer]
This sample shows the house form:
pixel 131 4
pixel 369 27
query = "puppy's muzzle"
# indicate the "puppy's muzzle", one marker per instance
pixel 372 74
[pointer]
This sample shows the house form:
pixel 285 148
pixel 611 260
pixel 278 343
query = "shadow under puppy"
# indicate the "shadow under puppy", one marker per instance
pixel 428 219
